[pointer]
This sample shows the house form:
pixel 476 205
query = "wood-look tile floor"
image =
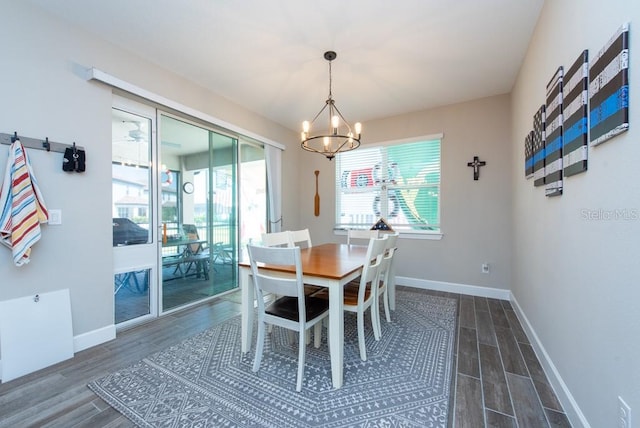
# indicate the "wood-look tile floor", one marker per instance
pixel 498 380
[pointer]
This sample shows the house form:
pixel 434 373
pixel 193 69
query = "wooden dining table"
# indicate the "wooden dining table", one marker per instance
pixel 327 265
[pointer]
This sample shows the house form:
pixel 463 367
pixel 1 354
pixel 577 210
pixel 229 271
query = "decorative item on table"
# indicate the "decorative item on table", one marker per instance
pixel 382 224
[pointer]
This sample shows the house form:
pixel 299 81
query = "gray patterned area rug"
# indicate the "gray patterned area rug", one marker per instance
pixel 206 381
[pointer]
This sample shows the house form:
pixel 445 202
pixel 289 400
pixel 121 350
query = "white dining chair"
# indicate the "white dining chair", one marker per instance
pixel 288 239
pixel 277 239
pixel 195 255
pixel 384 275
pixel 361 236
pixel 360 294
pixel 301 236
pixel 292 310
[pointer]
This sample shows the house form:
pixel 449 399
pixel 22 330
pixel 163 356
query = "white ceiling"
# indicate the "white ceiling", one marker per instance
pixel 394 57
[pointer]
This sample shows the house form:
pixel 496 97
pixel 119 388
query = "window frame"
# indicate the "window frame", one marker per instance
pixel 405 233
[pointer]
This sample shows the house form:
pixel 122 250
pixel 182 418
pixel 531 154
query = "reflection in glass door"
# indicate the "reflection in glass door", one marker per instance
pixel 198 222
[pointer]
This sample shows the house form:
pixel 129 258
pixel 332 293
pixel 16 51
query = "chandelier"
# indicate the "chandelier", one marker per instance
pixel 338 136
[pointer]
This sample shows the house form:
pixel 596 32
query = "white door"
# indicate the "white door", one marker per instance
pixel 135 249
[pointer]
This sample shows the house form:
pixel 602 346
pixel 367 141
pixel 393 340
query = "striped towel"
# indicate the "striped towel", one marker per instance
pixel 23 207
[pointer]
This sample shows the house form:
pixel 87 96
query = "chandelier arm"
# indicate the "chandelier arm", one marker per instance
pixel 345 142
pixel 318 115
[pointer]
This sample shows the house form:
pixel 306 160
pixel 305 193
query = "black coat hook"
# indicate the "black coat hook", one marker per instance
pixel 15 137
pixel 46 144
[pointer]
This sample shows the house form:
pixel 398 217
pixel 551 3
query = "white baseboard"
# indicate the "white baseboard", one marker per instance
pixel 571 408
pixel 93 338
pixel 452 287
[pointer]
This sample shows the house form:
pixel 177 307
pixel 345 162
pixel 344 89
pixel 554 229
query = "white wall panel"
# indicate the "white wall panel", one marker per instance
pixel 35 332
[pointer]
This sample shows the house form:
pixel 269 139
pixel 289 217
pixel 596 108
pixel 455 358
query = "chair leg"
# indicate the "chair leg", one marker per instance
pixel 317 334
pixel 375 321
pixel 325 322
pixel 301 354
pixel 375 318
pixel 259 346
pixel 361 344
pixel 387 312
pixel 204 265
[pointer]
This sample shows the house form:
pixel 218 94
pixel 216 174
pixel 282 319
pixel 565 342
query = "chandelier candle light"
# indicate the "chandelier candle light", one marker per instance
pixel 339 136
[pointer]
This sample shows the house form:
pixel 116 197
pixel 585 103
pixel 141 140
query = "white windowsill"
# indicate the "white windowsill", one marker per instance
pixel 435 236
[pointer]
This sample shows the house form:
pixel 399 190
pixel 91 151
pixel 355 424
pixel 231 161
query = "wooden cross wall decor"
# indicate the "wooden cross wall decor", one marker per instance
pixel 476 164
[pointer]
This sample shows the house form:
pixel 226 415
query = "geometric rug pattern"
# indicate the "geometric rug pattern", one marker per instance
pixel 206 381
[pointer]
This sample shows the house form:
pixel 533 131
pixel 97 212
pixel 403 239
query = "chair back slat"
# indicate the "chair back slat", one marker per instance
pixel 191 233
pixel 375 253
pixel 301 236
pixel 277 239
pixel 354 235
pixel 268 281
pixel 389 251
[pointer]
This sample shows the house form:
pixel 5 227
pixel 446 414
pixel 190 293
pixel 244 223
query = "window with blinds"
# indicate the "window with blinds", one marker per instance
pixel 397 182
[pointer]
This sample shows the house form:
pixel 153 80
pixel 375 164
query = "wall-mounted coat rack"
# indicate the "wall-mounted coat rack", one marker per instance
pixel 34 143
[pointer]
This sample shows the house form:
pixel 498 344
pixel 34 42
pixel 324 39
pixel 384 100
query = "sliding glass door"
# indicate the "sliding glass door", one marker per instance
pixel 198 175
pixel 187 198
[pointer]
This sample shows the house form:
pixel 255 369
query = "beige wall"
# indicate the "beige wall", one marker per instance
pixel 476 218
pixel 45 95
pixel 577 279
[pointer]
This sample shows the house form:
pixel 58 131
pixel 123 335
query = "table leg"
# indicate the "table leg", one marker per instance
pixel 248 296
pixel 391 288
pixel 336 336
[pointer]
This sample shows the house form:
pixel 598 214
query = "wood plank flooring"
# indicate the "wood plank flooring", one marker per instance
pixel 498 380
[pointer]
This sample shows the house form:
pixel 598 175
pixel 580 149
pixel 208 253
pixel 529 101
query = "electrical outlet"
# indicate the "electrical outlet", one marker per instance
pixel 624 414
pixel 485 267
pixel 55 217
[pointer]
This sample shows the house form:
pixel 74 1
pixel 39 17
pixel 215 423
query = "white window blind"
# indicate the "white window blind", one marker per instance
pixel 398 182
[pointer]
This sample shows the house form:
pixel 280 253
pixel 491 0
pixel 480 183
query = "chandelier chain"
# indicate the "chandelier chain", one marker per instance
pixel 330 81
